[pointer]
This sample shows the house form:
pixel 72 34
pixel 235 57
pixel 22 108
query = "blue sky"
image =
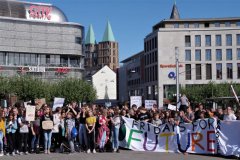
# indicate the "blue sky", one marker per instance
pixel 132 20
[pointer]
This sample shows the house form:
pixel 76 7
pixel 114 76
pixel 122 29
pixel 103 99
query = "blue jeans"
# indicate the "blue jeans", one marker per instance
pixel 103 139
pixel 47 139
pixel 1 141
pixel 82 135
pixel 115 141
pixel 35 142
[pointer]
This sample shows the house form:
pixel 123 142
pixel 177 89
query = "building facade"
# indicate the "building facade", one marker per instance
pixel 37 39
pixel 208 50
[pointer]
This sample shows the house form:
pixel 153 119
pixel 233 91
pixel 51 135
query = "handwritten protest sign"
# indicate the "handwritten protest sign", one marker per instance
pixel 47 125
pixel 149 103
pixel 171 107
pixel 58 102
pixel 30 113
pixel 137 100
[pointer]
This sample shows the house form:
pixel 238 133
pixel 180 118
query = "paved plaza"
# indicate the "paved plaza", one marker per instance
pixel 124 155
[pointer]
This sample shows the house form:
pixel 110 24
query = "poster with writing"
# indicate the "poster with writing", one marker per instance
pixel 30 113
pixel 149 103
pixel 58 102
pixel 172 107
pixel 137 100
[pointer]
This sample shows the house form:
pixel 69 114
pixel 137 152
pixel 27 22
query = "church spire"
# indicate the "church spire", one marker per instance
pixel 108 34
pixel 175 14
pixel 90 38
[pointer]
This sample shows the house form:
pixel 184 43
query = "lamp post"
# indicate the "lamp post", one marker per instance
pixel 177 74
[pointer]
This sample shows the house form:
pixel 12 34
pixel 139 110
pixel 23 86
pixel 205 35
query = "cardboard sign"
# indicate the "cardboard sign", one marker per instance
pixel 47 125
pixel 137 100
pixel 39 103
pixel 149 103
pixel 172 107
pixel 30 113
pixel 58 102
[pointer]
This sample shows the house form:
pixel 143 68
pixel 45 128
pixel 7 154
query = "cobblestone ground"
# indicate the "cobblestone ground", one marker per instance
pixel 124 155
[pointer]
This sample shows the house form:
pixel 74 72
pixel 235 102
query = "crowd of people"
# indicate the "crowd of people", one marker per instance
pixel 87 128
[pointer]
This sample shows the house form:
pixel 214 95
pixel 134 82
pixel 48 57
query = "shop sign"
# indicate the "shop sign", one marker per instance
pixel 169 65
pixel 40 12
pixel 62 70
pixel 36 69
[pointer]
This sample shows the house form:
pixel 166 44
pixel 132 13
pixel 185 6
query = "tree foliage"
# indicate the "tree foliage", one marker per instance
pixel 28 88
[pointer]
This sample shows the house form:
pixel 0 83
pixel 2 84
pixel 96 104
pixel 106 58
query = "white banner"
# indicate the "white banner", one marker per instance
pixel 198 137
pixel 58 102
pixel 149 103
pixel 137 100
pixel 30 113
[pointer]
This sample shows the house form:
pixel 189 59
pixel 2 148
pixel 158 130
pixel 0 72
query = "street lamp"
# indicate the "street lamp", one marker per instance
pixel 177 74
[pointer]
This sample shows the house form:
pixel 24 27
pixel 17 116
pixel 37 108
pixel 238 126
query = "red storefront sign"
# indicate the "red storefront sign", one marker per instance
pixel 40 12
pixel 62 70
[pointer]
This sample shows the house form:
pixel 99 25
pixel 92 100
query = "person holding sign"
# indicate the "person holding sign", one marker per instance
pixel 47 126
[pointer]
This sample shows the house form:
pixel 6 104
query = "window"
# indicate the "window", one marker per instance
pixel 78 40
pixel 198 72
pixel 208 56
pixel 11 59
pixel 33 61
pixel 188 71
pixel 187 41
pixel 206 25
pixel 217 24
pixel 209 71
pixel 22 57
pixel 64 61
pixel 186 25
pixel 227 24
pixel 229 54
pixel 238 70
pixel 219 70
pixel 208 40
pixel 218 40
pixel 238 24
pixel 197 55
pixel 196 25
pixel 16 59
pixel 229 71
pixel 238 53
pixel 238 39
pixel 218 54
pixel 176 25
pixel 198 41
pixel 229 40
pixel 187 55
pixel 2 58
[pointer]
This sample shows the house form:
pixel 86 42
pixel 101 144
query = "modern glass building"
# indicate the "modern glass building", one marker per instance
pixel 37 39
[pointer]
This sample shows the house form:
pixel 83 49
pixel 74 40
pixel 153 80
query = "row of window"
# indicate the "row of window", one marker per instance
pixel 208 40
pixel 151 73
pixel 208 55
pixel 27 59
pixel 150 58
pixel 219 74
pixel 134 82
pixel 207 25
pixel 150 44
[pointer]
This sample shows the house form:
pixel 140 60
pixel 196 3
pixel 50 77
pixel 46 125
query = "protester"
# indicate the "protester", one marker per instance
pixel 35 128
pixel 47 117
pixel 24 131
pixel 184 103
pixel 82 129
pixel 90 127
pixel 2 131
pixel 116 121
pixel 69 125
pixel 230 115
pixel 11 128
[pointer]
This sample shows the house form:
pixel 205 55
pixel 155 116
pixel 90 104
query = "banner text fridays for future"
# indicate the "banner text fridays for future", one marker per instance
pixel 205 136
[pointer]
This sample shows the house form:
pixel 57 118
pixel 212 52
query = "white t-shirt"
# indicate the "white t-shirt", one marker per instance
pixel 230 117
pixel 24 128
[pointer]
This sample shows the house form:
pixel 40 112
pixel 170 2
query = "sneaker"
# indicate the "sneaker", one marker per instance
pixel 118 151
pixel 17 152
pixel 21 153
pixel 45 151
pixel 94 151
pixel 115 150
pixel 1 154
pixel 48 152
pixel 26 153
pixel 13 154
pixel 88 151
pixel 7 154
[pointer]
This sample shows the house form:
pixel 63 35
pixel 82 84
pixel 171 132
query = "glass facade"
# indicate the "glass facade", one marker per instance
pixel 197 55
pixel 228 40
pixel 208 55
pixel 198 41
pixel 229 54
pixel 208 40
pixel 218 54
pixel 218 40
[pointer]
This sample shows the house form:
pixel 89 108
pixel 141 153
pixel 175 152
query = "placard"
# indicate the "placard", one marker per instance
pixel 47 125
pixel 172 107
pixel 149 103
pixel 137 100
pixel 58 102
pixel 30 113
